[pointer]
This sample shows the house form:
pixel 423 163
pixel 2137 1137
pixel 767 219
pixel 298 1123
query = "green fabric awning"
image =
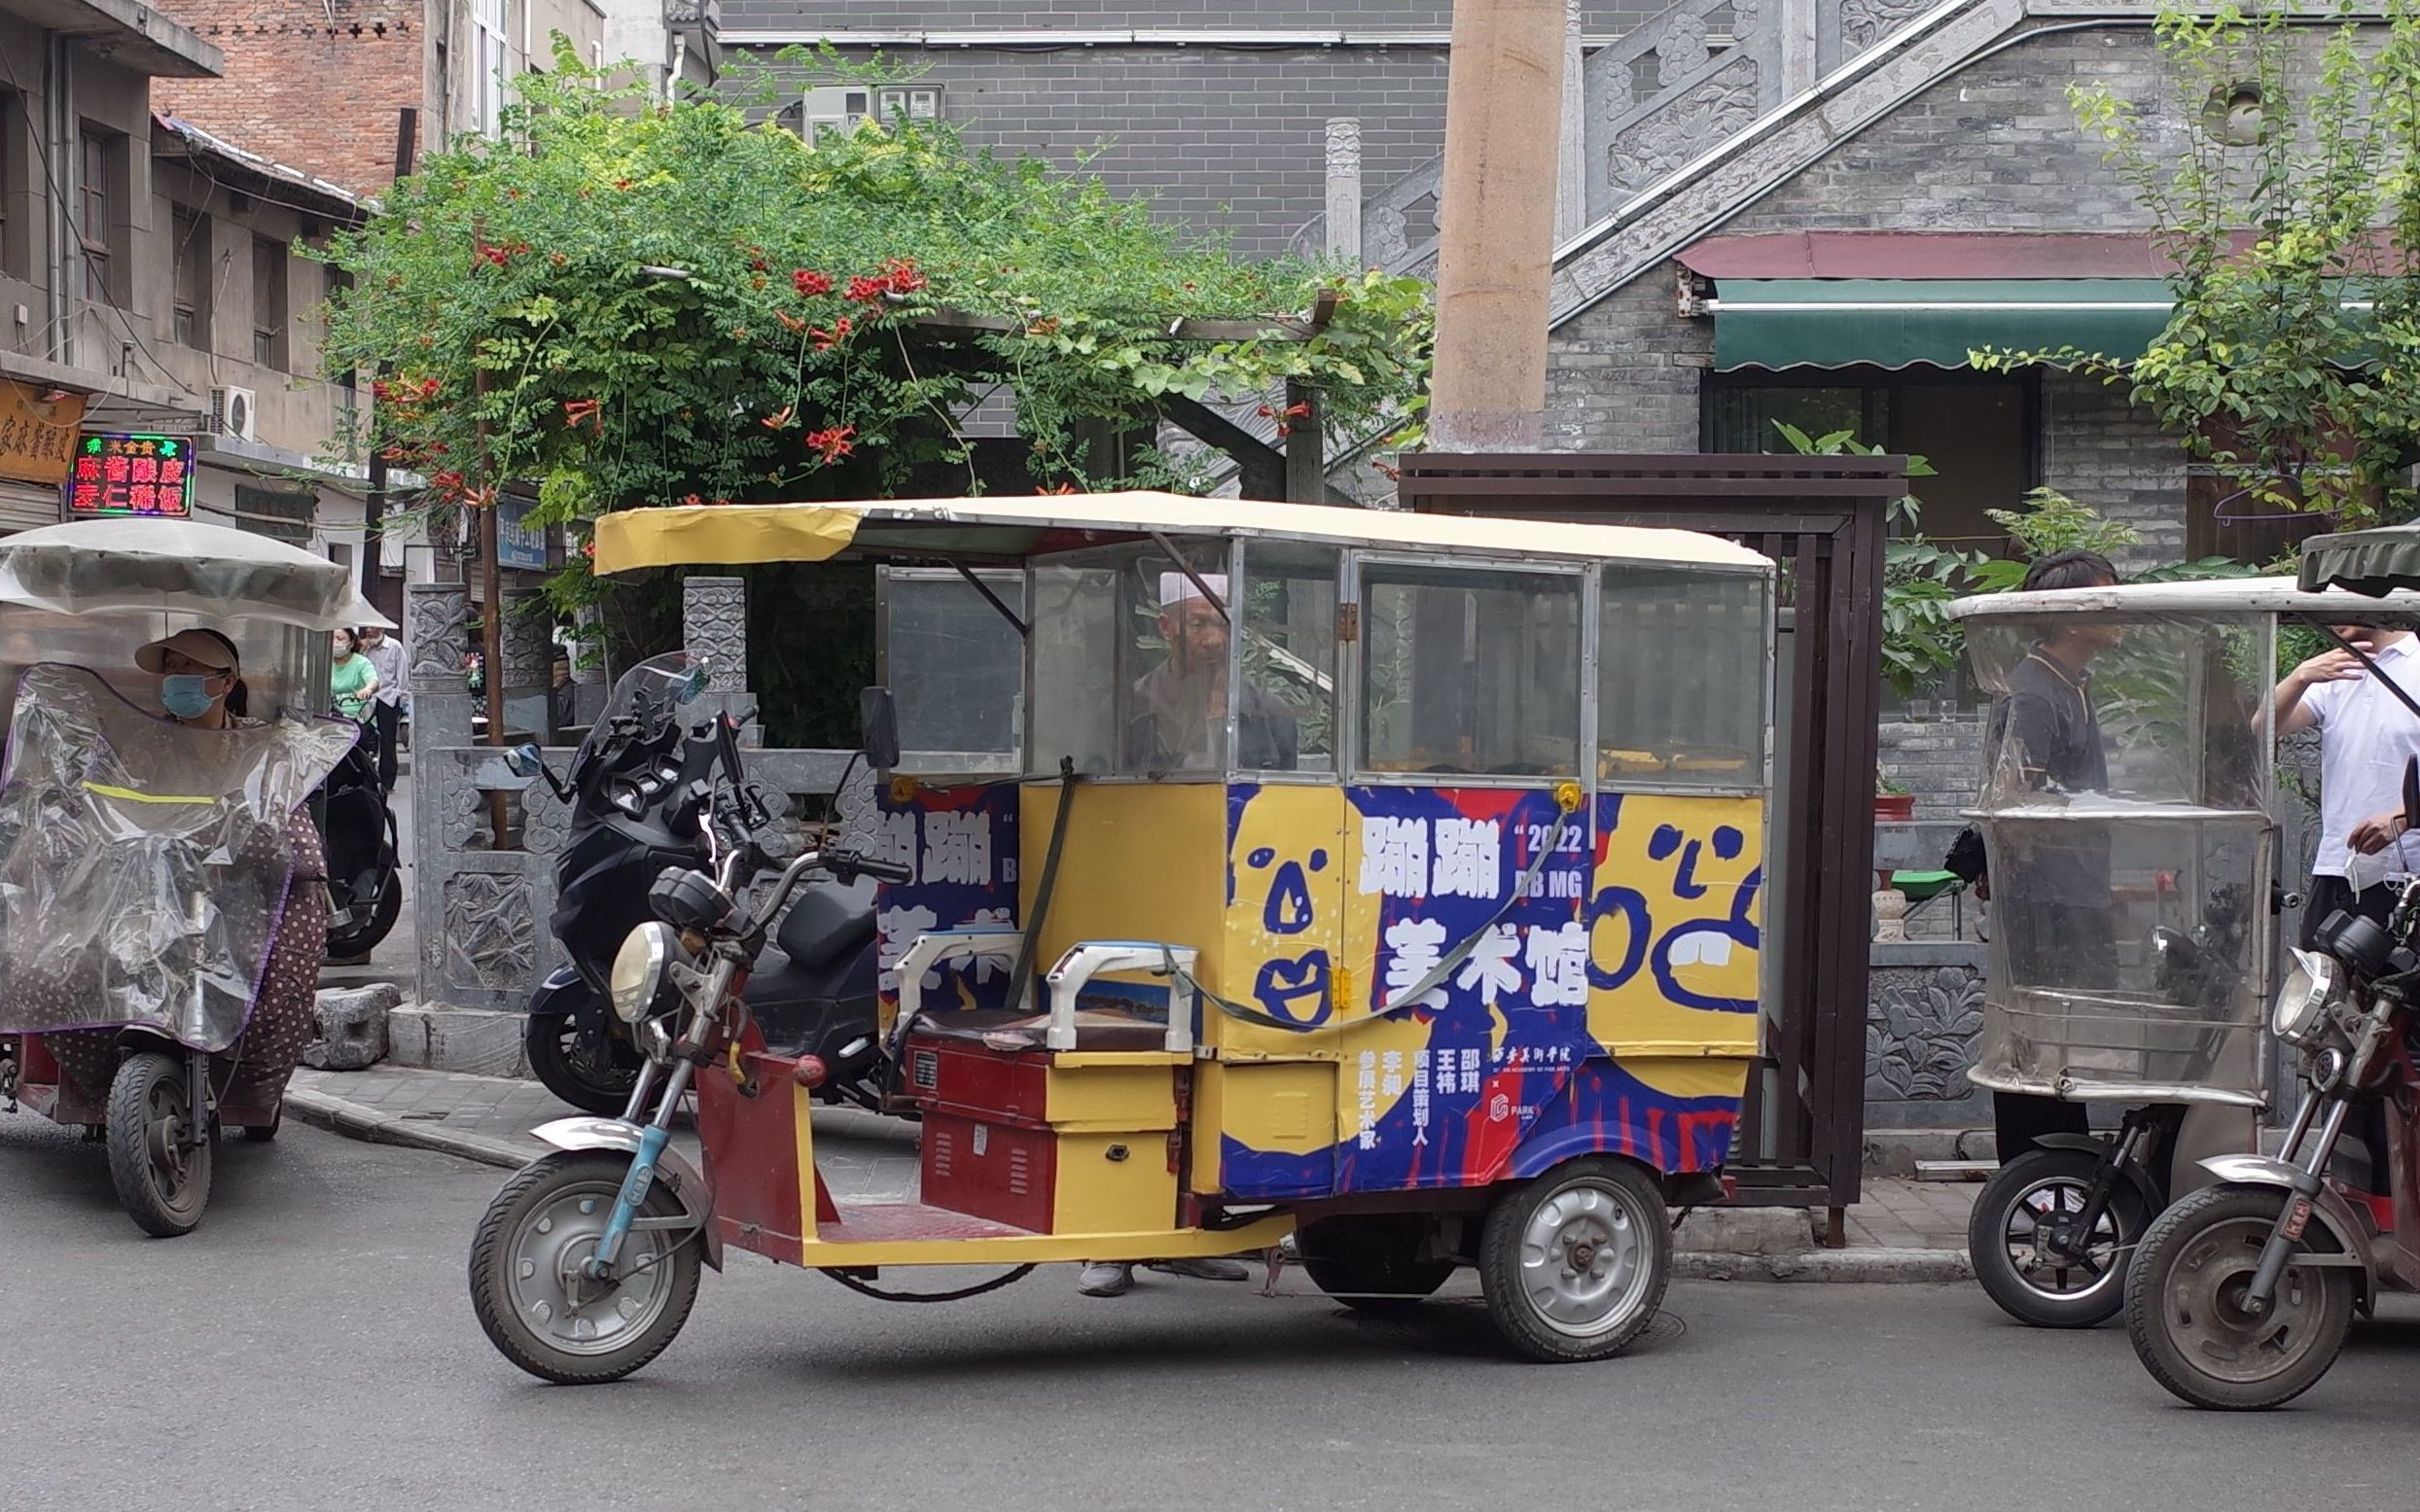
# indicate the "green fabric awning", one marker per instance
pixel 1903 323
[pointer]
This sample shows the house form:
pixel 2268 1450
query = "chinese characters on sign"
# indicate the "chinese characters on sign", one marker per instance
pixel 131 474
pixel 519 542
pixel 38 435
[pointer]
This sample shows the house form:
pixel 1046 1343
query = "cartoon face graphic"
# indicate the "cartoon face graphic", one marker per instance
pixel 1676 916
pixel 1284 901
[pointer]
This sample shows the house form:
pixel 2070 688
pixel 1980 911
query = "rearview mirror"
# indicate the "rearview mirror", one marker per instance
pixel 524 761
pixel 878 715
pixel 2411 792
pixel 693 683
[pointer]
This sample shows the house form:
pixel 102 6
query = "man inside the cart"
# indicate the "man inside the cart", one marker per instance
pixel 1174 724
pixel 1180 707
pixel 2048 725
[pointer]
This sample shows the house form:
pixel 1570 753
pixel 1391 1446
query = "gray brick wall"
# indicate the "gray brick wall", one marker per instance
pixel 2110 454
pixel 1226 141
pixel 1623 375
pixel 1090 15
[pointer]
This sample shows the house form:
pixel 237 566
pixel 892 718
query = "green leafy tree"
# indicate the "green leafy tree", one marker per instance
pixel 631 303
pixel 2283 180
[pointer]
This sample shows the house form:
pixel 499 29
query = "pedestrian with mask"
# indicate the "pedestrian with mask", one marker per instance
pixel 386 714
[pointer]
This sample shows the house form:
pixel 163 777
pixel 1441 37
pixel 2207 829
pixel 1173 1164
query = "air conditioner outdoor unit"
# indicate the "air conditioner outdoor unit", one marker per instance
pixel 838 108
pixel 231 412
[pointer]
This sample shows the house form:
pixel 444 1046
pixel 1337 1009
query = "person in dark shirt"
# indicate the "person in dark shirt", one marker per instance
pixel 2052 894
pixel 1178 720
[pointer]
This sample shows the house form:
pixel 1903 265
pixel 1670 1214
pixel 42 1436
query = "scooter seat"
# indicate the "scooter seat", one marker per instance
pixel 827 924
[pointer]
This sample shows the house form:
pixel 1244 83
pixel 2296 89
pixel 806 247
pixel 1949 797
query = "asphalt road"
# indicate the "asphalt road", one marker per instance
pixel 312 1347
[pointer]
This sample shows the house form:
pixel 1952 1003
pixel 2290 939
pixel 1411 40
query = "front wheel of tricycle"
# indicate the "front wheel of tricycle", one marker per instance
pixel 527 1284
pixel 2186 1312
pixel 162 1173
pixel 1575 1263
pixel 2028 1251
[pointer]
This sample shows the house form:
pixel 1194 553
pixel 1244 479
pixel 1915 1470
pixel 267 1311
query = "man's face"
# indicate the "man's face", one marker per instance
pixel 1196 635
pixel 2363 636
pixel 371 638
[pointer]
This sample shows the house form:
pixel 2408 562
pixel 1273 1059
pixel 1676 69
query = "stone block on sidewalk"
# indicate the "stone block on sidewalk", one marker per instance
pixel 352 1027
pixel 1746 1231
pixel 475 1041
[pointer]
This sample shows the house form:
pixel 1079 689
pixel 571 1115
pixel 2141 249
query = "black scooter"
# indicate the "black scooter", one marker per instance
pixel 639 789
pixel 365 856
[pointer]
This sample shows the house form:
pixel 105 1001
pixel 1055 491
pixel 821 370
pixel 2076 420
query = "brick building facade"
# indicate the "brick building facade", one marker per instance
pixel 1213 113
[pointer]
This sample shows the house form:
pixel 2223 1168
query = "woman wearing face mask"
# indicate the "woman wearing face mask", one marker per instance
pixel 202 688
pixel 351 678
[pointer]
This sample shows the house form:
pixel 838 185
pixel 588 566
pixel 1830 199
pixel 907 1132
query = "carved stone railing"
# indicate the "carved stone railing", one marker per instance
pixel 1697 73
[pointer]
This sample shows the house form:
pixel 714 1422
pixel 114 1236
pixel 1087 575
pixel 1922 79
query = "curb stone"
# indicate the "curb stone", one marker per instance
pixel 1901 1266
pixel 354 1122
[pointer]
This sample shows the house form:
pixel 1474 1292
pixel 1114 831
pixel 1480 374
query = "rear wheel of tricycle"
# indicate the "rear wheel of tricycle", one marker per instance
pixel 162 1172
pixel 1372 1263
pixel 2186 1312
pixel 1575 1263
pixel 526 1273
pixel 2029 1249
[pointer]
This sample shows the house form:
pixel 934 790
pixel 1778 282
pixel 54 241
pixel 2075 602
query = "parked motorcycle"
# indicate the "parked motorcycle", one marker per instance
pixel 365 856
pixel 2242 1294
pixel 640 787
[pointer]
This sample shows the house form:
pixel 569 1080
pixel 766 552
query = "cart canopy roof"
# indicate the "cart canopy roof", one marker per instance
pixel 2376 561
pixel 153 566
pixel 2210 597
pixel 1013 528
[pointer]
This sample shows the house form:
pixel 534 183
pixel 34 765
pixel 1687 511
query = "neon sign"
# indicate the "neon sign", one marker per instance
pixel 117 474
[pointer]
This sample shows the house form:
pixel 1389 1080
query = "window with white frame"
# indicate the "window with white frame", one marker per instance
pixel 490 63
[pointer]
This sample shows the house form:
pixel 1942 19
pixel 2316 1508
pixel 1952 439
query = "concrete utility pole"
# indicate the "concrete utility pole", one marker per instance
pixel 1504 119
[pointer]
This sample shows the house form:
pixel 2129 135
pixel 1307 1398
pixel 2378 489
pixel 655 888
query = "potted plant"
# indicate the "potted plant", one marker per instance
pixel 1892 803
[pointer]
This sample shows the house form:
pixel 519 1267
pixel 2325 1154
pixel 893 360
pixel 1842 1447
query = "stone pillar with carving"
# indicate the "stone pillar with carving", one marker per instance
pixel 1344 188
pixel 528 660
pixel 714 624
pixel 437 635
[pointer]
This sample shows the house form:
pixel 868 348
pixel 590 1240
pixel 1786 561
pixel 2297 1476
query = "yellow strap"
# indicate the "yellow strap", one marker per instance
pixel 132 797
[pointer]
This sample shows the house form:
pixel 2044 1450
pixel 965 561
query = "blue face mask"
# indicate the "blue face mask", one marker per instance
pixel 186 695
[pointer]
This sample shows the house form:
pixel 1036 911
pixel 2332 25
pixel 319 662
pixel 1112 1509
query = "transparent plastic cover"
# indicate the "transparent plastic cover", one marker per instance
pixel 143 864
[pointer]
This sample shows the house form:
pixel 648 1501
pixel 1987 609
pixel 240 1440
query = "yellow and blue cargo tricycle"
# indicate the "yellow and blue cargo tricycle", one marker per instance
pixel 1390 881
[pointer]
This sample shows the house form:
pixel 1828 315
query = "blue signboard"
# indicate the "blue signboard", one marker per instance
pixel 518 541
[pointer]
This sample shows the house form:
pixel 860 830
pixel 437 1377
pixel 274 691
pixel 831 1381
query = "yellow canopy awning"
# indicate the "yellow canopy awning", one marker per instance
pixel 738 533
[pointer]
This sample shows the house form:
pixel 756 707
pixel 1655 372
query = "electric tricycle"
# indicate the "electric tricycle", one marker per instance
pixel 1245 870
pixel 159 878
pixel 2133 838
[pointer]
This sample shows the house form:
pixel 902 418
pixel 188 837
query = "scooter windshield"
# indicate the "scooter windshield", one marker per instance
pixel 655 690
pixel 143 864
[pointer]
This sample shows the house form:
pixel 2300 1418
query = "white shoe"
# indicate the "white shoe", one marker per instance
pixel 1106 1278
pixel 1205 1270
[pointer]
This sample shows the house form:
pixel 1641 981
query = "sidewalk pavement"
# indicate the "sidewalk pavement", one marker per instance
pixel 1903 1231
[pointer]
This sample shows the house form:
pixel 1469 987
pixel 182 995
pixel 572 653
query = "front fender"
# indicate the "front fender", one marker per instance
pixel 2334 1214
pixel 2144 1184
pixel 563 991
pixel 687 1183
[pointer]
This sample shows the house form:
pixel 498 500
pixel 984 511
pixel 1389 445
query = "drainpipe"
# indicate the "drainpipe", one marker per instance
pixel 57 115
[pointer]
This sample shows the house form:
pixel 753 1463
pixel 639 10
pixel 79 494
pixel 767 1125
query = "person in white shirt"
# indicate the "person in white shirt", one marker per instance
pixel 2366 735
pixel 386 655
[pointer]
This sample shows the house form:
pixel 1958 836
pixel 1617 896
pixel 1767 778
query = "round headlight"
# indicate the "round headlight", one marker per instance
pixel 638 975
pixel 2302 1003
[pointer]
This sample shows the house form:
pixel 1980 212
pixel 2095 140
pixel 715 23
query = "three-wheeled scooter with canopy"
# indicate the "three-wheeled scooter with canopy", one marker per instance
pixel 1395 881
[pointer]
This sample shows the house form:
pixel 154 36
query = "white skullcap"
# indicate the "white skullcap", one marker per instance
pixel 1176 587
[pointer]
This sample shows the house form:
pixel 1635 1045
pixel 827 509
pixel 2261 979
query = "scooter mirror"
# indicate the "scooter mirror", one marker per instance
pixel 2411 792
pixel 693 684
pixel 877 714
pixel 524 761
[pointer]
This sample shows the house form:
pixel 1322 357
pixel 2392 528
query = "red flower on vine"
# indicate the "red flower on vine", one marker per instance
pixel 833 444
pixel 578 412
pixel 694 500
pixel 780 419
pixel 589 551
pixel 826 340
pixel 809 283
pixel 866 291
pixel 901 275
